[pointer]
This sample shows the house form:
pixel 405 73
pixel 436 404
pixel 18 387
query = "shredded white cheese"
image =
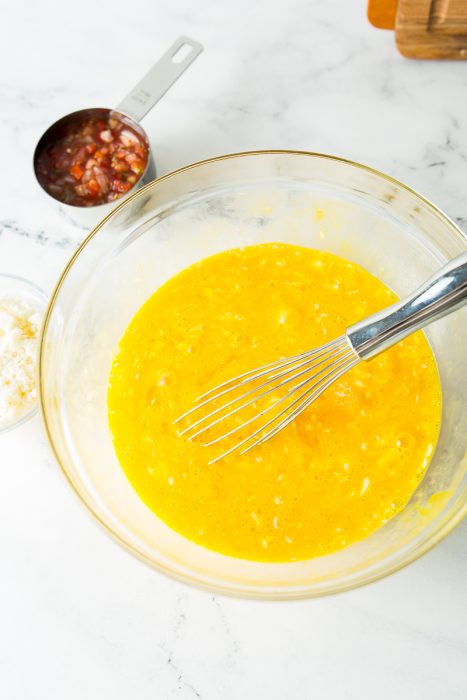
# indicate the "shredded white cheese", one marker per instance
pixel 19 333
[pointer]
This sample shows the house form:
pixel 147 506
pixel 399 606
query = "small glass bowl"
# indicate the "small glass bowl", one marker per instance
pixel 25 291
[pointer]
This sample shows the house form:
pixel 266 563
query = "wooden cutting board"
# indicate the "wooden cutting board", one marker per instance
pixel 424 28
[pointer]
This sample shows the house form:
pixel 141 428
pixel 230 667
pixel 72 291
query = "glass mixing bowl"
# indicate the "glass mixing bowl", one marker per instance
pixel 302 198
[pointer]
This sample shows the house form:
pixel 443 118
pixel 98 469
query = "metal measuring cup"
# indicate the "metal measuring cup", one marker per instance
pixel 130 111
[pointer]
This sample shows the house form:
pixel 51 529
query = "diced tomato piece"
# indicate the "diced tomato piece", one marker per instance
pixel 93 187
pixel 138 167
pixel 101 155
pixel 77 171
pixel 120 186
pixel 121 166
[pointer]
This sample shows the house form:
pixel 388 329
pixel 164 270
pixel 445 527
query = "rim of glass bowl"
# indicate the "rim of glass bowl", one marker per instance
pixel 445 526
pixel 42 300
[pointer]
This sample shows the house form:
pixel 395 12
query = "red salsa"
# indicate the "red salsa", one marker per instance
pixel 92 161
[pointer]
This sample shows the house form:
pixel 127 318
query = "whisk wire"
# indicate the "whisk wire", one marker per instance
pixel 262 412
pixel 232 401
pixel 315 392
pixel 302 377
pixel 248 377
pixel 312 393
pixel 284 380
pixel 257 372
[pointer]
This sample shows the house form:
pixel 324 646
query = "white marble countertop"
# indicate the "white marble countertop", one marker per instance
pixel 79 617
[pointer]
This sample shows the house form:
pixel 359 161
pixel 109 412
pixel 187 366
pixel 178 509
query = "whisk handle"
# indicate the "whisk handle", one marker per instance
pixel 443 293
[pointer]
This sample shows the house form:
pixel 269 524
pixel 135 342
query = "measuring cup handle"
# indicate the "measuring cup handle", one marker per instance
pixel 157 81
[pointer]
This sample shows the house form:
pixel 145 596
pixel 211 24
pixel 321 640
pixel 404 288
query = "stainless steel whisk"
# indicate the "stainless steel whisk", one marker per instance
pixel 304 377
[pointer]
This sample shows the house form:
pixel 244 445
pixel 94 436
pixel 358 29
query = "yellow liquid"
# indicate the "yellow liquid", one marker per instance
pixel 337 473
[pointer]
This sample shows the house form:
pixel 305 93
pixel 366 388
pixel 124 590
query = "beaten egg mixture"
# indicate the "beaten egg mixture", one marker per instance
pixel 333 476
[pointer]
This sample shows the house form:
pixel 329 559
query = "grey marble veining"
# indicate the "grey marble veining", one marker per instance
pixel 79 617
